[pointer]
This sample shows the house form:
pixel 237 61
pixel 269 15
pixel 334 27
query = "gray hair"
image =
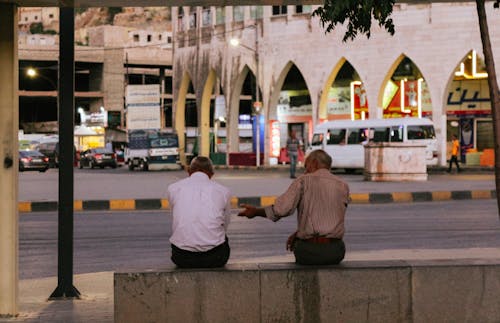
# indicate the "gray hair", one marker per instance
pixel 201 164
pixel 322 157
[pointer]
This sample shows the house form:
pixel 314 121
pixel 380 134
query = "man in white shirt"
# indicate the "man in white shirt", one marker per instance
pixel 201 211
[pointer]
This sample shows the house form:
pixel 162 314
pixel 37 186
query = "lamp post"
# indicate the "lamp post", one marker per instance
pixel 33 73
pixel 257 105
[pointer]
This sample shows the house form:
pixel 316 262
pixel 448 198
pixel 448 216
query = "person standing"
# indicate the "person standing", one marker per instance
pixel 293 144
pixel 200 209
pixel 320 199
pixel 455 147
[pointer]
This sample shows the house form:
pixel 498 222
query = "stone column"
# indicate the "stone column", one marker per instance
pixel 9 126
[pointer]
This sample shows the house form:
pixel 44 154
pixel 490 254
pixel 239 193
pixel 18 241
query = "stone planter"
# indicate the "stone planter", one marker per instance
pixel 394 161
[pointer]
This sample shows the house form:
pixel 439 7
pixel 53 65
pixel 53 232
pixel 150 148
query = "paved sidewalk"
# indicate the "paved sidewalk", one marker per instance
pixel 96 304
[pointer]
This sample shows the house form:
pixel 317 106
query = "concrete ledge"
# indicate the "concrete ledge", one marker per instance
pixel 355 291
pixel 357 198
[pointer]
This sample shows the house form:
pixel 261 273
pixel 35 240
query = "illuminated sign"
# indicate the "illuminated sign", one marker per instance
pixel 275 138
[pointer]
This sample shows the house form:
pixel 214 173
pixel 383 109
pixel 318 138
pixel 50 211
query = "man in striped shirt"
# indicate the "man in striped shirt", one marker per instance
pixel 321 200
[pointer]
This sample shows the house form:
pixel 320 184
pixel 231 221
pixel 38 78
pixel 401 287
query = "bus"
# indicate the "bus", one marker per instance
pixel 344 140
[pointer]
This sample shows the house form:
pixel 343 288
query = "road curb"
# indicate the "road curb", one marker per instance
pixel 356 198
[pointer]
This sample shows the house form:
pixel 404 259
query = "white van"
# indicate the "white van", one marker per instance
pixel 343 140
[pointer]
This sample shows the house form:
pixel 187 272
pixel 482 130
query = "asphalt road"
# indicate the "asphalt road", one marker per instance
pixel 113 241
pixel 120 183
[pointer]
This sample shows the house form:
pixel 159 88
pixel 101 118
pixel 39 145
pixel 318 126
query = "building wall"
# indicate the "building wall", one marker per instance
pixel 436 37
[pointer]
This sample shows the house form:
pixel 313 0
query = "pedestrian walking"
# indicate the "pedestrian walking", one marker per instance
pixel 455 147
pixel 293 144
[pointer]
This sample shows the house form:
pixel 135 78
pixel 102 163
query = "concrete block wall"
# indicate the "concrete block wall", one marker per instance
pixel 375 291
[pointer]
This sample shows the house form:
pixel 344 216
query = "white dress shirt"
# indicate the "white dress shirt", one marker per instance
pixel 201 210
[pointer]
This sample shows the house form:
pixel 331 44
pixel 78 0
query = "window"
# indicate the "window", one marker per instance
pixel 485 137
pixel 397 134
pixel 169 40
pixel 51 16
pixel 159 37
pixel 256 12
pixel 380 134
pixel 180 19
pixel 136 38
pixel 192 20
pixel 279 10
pixel 220 15
pixel 206 17
pixel 149 38
pixel 335 137
pixel 303 9
pixel 238 13
pixel 357 136
pixel 421 132
pixel 317 139
pixel 36 17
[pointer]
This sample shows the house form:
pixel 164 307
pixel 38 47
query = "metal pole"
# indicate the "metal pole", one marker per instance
pixel 66 106
pixel 257 98
pixel 9 107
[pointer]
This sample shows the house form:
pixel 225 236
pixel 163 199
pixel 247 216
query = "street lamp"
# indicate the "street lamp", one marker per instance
pixel 257 105
pixel 33 73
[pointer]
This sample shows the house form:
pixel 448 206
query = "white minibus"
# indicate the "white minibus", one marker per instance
pixel 343 140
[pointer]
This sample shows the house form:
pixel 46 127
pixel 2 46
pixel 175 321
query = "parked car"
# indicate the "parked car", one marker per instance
pixel 97 157
pixel 33 160
pixel 51 150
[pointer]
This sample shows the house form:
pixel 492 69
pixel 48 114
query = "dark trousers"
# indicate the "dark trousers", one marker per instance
pixel 215 257
pixel 310 253
pixel 453 159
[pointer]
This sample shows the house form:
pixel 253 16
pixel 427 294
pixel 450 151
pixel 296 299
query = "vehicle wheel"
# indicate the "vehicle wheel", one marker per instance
pixel 145 166
pixel 91 164
pixel 43 170
pixel 130 166
pixel 80 165
pixel 101 167
pixel 350 170
pixel 113 166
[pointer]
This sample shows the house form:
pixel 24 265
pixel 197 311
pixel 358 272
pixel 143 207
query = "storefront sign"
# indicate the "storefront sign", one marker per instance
pixel 274 130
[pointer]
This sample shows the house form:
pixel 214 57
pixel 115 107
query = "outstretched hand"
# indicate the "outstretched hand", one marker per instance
pixel 249 211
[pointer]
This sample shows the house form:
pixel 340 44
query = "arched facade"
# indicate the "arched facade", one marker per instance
pixel 434 36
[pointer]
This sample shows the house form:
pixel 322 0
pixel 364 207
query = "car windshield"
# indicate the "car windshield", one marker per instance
pixel 30 153
pixel 102 151
pixel 164 141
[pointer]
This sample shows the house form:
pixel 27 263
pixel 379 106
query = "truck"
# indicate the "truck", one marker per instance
pixel 152 149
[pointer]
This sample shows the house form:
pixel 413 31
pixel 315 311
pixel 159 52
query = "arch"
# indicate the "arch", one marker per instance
pixel 322 112
pixel 467 105
pixel 355 85
pixel 180 122
pixel 233 136
pixel 204 113
pixel 290 104
pixel 404 91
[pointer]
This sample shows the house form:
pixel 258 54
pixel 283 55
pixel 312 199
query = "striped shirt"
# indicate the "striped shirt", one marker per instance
pixel 320 199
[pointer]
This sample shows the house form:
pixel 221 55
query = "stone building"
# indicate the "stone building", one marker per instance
pixel 432 67
pixel 112 59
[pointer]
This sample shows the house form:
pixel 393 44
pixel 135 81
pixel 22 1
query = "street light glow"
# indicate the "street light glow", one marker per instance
pixel 234 42
pixel 31 72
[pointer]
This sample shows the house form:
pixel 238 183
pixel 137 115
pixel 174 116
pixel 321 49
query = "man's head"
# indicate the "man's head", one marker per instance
pixel 201 164
pixel 454 137
pixel 317 159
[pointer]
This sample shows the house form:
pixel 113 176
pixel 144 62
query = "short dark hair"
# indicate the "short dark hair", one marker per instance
pixel 201 164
